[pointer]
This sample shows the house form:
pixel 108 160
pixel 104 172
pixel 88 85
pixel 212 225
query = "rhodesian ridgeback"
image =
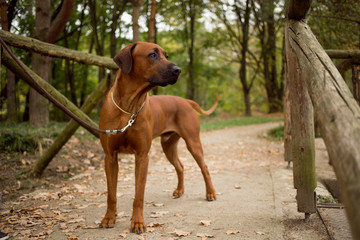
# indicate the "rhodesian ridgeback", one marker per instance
pixel 140 118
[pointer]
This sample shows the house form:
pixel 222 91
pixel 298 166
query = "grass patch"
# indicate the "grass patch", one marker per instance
pixel 242 121
pixel 276 134
pixel 23 137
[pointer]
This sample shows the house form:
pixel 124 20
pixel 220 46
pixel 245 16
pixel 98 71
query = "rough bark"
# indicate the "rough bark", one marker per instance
pixel 56 51
pixel 302 144
pixel 68 130
pixel 337 112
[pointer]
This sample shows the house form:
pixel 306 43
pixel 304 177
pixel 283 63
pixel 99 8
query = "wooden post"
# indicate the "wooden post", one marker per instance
pixel 337 112
pixel 301 145
pixel 70 128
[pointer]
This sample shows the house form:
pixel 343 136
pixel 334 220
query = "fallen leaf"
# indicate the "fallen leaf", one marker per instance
pixel 156 224
pixel 205 222
pixel 180 233
pixel 232 232
pixel 204 236
pixel 158 214
pixel 158 204
pixel 123 235
pixel 259 233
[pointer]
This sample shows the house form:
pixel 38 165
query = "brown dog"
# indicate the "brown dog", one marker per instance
pixel 144 66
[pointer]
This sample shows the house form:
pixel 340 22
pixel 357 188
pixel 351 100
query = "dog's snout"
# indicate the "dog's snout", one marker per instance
pixel 176 70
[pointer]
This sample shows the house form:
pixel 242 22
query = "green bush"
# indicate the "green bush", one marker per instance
pixel 16 141
pixel 276 134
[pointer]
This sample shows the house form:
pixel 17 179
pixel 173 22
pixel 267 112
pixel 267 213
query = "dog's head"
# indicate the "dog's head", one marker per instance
pixel 147 61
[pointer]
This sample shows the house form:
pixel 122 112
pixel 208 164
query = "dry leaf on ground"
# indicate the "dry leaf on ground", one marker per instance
pixel 204 236
pixel 231 232
pixel 181 233
pixel 205 222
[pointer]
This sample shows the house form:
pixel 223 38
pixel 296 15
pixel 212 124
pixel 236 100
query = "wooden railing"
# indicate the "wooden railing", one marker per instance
pixel 315 88
pixel 60 52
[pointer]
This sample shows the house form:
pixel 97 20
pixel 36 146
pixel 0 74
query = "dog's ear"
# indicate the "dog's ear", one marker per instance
pixel 124 58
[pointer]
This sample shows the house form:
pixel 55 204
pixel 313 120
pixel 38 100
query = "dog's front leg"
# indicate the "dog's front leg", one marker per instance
pixel 141 168
pixel 111 170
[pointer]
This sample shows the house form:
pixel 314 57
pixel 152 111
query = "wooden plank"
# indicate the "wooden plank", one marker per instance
pixel 301 143
pixel 337 112
pixel 56 51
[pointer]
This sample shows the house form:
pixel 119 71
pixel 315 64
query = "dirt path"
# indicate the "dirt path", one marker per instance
pixel 256 199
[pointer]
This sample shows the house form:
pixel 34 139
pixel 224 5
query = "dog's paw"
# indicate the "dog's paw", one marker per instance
pixel 108 221
pixel 178 193
pixel 138 226
pixel 211 196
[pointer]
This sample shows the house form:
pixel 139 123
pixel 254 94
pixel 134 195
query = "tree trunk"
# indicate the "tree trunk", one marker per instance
pixel 98 46
pixel 245 39
pixel 152 22
pixel 39 113
pixel 136 6
pixel 190 39
pixel 6 18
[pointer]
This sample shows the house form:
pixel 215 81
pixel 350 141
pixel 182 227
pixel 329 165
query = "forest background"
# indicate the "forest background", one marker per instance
pixel 233 49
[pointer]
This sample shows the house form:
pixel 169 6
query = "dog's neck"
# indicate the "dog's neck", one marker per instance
pixel 127 94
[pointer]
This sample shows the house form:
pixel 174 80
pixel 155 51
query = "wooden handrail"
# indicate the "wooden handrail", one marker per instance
pixel 56 51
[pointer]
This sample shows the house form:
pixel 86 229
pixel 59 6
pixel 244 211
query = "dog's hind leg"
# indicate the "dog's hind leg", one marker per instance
pixel 169 142
pixel 194 146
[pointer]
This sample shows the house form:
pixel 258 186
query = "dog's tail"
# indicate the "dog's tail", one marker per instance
pixel 197 107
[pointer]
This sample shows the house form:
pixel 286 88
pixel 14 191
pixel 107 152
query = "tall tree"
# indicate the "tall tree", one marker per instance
pixel 47 31
pixel 266 26
pixel 152 22
pixel 238 35
pixel 136 6
pixel 7 15
pixel 191 11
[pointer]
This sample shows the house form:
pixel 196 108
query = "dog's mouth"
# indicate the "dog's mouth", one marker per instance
pixel 167 77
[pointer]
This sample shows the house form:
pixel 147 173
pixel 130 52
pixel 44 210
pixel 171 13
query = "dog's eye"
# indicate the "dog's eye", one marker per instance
pixel 153 55
pixel 167 57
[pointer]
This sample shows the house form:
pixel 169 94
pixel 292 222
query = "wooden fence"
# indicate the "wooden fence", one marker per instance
pixel 56 51
pixel 315 88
